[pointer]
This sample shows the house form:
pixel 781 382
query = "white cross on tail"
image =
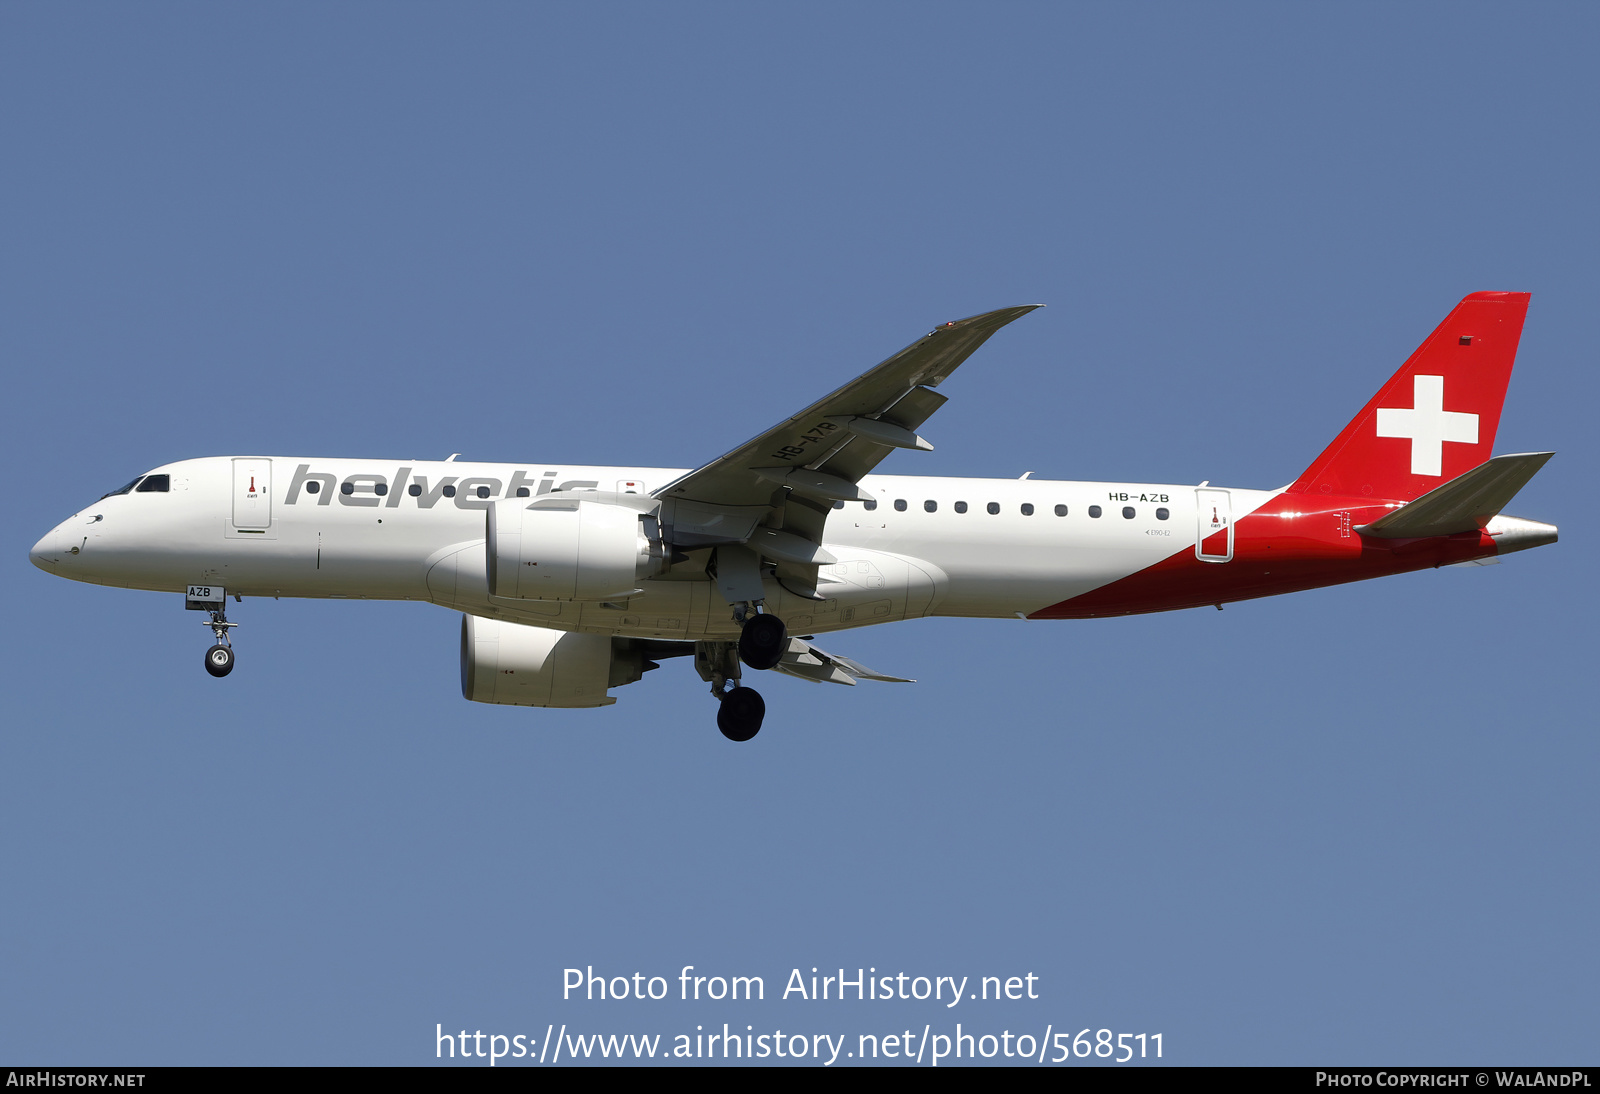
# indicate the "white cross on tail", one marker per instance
pixel 1428 425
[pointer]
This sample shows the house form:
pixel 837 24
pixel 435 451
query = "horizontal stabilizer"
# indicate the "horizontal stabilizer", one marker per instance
pixel 806 661
pixel 1464 504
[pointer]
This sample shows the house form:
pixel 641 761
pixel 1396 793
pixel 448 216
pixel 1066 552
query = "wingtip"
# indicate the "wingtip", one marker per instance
pixel 1004 315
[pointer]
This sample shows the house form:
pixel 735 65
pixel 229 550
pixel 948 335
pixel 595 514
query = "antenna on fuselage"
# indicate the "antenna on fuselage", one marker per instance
pixel 452 458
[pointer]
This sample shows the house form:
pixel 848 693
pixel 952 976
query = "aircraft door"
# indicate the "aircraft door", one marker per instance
pixel 1213 540
pixel 252 492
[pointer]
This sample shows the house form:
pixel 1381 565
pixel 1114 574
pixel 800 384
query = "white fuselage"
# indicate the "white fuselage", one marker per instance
pixel 413 530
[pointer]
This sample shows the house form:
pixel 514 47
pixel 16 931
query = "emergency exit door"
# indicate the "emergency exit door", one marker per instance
pixel 252 493
pixel 1213 539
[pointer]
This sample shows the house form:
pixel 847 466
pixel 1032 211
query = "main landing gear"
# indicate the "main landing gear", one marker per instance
pixel 739 717
pixel 761 644
pixel 219 658
pixel 762 641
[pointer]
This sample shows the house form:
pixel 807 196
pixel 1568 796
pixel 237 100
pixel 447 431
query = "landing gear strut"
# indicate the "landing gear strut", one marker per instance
pixel 763 640
pixel 219 658
pixel 740 709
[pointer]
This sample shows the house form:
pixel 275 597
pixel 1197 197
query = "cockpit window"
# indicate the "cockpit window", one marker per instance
pixel 156 484
pixel 121 490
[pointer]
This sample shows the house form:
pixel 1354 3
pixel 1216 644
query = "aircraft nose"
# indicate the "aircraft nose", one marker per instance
pixel 50 550
pixel 40 553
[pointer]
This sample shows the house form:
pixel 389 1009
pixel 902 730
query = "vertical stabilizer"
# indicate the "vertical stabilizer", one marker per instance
pixel 1436 418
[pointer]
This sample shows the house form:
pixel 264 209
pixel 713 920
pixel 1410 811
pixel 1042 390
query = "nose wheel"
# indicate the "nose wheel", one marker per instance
pixel 219 658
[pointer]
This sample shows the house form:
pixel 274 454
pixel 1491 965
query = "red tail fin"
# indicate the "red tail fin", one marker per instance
pixel 1435 418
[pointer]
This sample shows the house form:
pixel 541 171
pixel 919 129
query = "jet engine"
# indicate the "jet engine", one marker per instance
pixel 520 665
pixel 570 549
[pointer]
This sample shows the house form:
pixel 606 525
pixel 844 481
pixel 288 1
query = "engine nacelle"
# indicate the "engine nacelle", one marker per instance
pixel 569 549
pixel 519 665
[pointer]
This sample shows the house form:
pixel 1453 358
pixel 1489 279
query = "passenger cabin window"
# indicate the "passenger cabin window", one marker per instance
pixel 414 490
pixel 380 489
pixel 961 507
pixel 899 505
pixel 156 484
pixel 1027 508
pixel 483 491
pixel 869 506
pixel 838 505
pixel 522 491
pixel 121 490
pixel 348 488
pixel 1127 512
pixel 1094 511
pixel 1061 510
pixel 1163 514
pixel 313 486
pixel 993 507
pixel 931 506
pixel 449 491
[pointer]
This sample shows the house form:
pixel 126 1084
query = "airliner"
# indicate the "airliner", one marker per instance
pixel 574 580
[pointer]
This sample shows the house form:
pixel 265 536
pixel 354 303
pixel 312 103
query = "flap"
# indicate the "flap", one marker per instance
pixel 806 661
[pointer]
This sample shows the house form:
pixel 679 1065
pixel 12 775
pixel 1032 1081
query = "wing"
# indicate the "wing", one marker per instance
pixel 846 434
pixel 774 491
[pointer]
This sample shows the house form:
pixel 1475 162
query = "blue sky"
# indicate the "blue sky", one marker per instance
pixel 1349 826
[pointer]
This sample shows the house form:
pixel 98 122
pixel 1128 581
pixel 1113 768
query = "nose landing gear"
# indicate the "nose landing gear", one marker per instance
pixel 219 658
